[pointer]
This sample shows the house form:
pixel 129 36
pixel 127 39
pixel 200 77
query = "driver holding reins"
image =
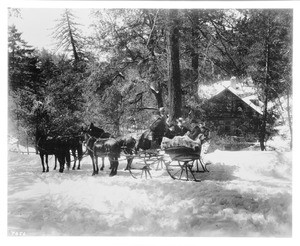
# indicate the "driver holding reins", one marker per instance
pixel 159 126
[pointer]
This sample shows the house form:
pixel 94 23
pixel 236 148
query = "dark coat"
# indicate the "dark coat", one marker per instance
pixel 180 131
pixel 194 133
pixel 158 129
pixel 170 134
pixel 206 133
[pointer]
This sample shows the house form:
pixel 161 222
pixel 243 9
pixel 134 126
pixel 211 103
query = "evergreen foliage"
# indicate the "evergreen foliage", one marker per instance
pixel 120 74
pixel 68 35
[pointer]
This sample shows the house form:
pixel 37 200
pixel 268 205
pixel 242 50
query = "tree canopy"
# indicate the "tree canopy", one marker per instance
pixel 137 60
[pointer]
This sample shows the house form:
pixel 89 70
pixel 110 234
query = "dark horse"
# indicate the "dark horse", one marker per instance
pixel 47 145
pixel 74 144
pixel 98 145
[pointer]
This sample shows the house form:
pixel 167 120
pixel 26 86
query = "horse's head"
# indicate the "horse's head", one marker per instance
pixel 42 134
pixel 91 126
pixel 83 134
pixel 95 131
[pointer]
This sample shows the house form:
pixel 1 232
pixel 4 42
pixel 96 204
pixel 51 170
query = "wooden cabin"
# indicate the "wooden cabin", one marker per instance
pixel 230 114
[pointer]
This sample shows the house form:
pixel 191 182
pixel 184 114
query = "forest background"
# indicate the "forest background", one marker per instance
pixel 137 60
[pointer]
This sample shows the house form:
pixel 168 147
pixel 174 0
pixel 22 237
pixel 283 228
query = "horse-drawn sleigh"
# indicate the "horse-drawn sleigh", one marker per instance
pixel 143 156
pixel 179 155
pixel 180 161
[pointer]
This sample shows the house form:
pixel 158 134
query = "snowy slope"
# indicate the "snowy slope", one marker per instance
pixel 244 194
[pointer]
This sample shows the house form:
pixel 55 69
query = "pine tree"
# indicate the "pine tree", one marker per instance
pixel 64 98
pixel 174 85
pixel 22 63
pixel 268 35
pixel 68 35
pixel 24 83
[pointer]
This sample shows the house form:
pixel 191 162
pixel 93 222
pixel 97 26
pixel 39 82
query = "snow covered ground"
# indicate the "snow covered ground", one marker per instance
pixel 245 194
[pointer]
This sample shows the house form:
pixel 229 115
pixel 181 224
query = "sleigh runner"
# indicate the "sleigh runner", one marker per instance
pixel 186 160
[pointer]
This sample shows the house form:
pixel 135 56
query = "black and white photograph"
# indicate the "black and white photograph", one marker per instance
pixel 146 119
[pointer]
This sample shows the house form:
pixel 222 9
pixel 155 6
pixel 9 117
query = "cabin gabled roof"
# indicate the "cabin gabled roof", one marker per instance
pixel 241 89
pixel 239 92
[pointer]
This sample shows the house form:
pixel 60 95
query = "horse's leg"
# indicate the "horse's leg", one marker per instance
pixel 111 162
pixel 129 160
pixel 110 165
pixel 80 155
pixel 93 162
pixel 114 165
pixel 61 166
pixel 75 159
pixel 55 162
pixel 67 156
pixel 102 167
pixel 42 160
pixel 47 170
pixel 96 166
pixel 61 160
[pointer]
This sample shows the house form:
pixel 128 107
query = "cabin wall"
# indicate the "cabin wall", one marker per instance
pixel 228 115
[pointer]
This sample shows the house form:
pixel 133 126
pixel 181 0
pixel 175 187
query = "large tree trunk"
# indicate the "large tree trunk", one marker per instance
pixel 290 119
pixel 174 85
pixel 194 53
pixel 76 57
pixel 158 96
pixel 262 133
pixel 263 130
pixel 155 84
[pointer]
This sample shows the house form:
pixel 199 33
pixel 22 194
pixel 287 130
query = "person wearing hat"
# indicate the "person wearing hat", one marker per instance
pixel 180 129
pixel 205 132
pixel 196 130
pixel 199 130
pixel 159 126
